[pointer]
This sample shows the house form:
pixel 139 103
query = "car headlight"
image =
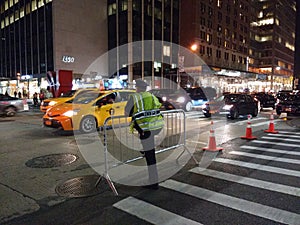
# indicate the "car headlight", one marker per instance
pixel 227 107
pixel 180 99
pixel 71 113
pixel 51 103
pixel 164 98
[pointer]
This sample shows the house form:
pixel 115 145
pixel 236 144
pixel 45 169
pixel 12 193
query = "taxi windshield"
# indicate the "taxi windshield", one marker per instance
pixel 86 98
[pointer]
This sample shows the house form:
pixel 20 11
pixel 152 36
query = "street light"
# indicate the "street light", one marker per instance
pixel 194 47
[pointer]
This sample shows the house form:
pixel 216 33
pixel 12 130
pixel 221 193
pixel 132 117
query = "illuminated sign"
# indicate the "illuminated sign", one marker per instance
pixel 68 59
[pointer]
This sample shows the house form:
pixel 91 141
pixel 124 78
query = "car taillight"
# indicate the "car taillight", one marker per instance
pixel 5 103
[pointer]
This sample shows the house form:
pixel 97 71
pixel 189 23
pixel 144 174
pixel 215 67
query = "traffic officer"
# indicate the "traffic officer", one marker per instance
pixel 144 108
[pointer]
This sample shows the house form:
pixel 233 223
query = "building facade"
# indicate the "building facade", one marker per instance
pixel 138 21
pixel 38 36
pixel 273 42
pixel 247 44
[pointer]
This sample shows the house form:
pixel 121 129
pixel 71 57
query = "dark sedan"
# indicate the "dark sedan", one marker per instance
pixel 173 99
pixel 290 105
pixel 9 106
pixel 265 100
pixel 232 105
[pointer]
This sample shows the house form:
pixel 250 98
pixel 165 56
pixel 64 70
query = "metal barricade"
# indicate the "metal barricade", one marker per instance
pixel 125 146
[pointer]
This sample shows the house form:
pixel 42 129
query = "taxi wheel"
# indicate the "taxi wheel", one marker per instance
pixel 10 111
pixel 188 106
pixel 88 124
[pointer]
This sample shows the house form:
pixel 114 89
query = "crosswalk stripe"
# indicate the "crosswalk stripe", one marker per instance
pixel 281 139
pixel 289 132
pixel 276 143
pixel 151 213
pixel 283 135
pixel 248 181
pixel 270 150
pixel 271 213
pixel 266 157
pixel 259 167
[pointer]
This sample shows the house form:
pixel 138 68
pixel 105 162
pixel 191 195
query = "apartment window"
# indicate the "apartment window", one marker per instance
pixel 219 16
pixel 219 41
pixel 209 51
pixel 210 11
pixel 202 35
pixel 209 38
pixel 226 55
pixel 240 59
pixel 219 28
pixel 202 21
pixel 219 3
pixel 218 54
pixel 227 20
pixel 202 49
pixel 27 8
pixel 209 24
pixel 226 32
pixel 202 7
pixel 112 9
pixel 124 5
pixel 228 8
pixel 233 58
pixel 234 24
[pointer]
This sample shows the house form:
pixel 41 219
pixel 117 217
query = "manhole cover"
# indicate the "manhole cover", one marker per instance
pixel 79 187
pixel 49 161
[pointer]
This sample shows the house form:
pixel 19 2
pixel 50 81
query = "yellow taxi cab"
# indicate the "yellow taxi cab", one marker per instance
pixel 50 102
pixel 87 112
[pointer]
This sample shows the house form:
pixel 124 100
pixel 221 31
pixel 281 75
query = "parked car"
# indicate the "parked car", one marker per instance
pixel 173 99
pixel 88 111
pixel 290 105
pixel 198 96
pixel 50 102
pixel 265 100
pixel 9 106
pixel 232 105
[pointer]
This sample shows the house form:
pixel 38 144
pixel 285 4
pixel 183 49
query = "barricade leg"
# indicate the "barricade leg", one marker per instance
pixel 109 182
pixel 192 155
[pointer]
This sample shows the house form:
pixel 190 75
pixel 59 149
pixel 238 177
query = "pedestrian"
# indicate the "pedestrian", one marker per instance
pixel 15 94
pixel 19 94
pixel 35 99
pixel 144 107
pixel 41 97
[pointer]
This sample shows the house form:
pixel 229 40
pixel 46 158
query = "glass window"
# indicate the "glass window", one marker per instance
pixel 112 9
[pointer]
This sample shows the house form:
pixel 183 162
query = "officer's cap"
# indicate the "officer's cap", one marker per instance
pixel 140 83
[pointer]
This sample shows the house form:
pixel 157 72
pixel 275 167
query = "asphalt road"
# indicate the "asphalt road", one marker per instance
pixel 249 182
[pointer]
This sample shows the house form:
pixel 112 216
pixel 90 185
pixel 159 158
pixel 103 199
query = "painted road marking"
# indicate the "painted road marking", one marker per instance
pixel 282 139
pixel 248 181
pixel 270 150
pixel 151 213
pixel 274 214
pixel 259 167
pixel 266 157
pixel 276 143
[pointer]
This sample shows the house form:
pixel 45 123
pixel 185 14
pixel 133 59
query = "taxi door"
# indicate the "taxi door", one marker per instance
pixel 103 108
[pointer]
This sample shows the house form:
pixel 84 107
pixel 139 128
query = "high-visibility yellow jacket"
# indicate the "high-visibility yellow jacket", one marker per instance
pixel 146 112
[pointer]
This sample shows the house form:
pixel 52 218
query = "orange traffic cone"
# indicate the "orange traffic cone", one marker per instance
pixel 271 126
pixel 212 146
pixel 249 131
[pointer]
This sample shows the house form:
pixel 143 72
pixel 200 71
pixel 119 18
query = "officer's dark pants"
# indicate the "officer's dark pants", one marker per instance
pixel 147 139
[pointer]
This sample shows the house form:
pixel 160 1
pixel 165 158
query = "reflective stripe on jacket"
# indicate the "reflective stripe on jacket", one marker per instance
pixel 146 112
